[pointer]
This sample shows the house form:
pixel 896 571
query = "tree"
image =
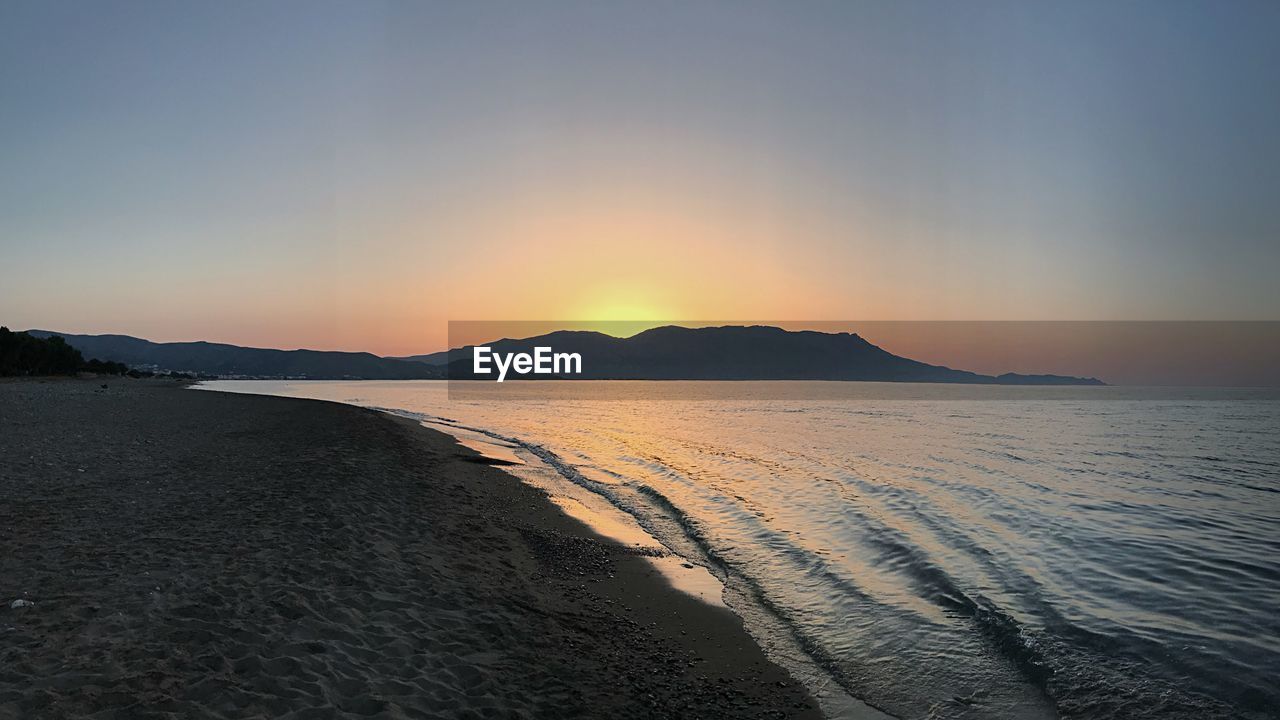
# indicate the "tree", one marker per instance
pixel 22 354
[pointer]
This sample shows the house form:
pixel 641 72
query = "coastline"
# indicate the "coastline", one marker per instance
pixel 236 555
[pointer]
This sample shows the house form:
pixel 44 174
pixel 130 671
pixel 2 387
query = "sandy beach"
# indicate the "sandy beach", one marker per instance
pixel 201 554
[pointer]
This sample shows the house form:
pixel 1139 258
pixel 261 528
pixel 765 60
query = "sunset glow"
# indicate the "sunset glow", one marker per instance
pixel 632 359
pixel 602 162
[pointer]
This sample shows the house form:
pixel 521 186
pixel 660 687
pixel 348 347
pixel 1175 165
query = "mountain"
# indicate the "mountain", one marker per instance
pixel 435 358
pixel 232 360
pixel 665 353
pixel 739 353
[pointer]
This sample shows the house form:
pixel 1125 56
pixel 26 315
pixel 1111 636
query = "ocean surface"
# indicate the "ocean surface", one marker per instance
pixel 935 551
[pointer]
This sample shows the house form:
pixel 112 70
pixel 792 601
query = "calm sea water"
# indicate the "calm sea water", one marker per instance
pixel 942 551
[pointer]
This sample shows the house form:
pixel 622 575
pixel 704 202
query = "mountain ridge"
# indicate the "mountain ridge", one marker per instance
pixel 737 352
pixel 670 352
pixel 225 360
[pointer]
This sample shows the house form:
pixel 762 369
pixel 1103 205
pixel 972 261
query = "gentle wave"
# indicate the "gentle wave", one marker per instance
pixel 1021 557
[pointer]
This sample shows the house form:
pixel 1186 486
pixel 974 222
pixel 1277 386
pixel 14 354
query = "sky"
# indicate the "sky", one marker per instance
pixel 354 175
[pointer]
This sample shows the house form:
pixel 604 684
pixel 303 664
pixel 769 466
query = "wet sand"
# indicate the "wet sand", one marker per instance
pixel 201 554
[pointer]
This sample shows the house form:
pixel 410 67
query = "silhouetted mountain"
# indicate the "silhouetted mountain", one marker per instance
pixel 738 353
pixel 665 353
pixel 231 360
pixel 435 358
pixel 1020 379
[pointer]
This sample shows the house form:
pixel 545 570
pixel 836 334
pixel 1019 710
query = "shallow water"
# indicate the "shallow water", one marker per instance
pixel 943 551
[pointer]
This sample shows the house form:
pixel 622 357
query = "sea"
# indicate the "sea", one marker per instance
pixel 928 551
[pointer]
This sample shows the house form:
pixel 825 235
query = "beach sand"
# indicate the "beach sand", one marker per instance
pixel 201 554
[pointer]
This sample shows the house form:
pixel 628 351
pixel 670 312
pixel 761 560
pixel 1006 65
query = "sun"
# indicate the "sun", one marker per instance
pixel 622 313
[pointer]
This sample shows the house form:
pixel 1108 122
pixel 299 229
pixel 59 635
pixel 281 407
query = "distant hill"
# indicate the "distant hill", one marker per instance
pixel 232 360
pixel 739 353
pixel 665 353
pixel 435 358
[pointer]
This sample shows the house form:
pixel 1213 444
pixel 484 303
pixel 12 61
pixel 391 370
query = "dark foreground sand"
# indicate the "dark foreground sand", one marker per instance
pixel 198 554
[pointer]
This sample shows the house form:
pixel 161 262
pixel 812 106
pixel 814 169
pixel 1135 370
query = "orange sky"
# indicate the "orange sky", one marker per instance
pixel 355 177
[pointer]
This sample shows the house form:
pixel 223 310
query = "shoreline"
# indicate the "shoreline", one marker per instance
pixel 236 554
pixel 583 500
